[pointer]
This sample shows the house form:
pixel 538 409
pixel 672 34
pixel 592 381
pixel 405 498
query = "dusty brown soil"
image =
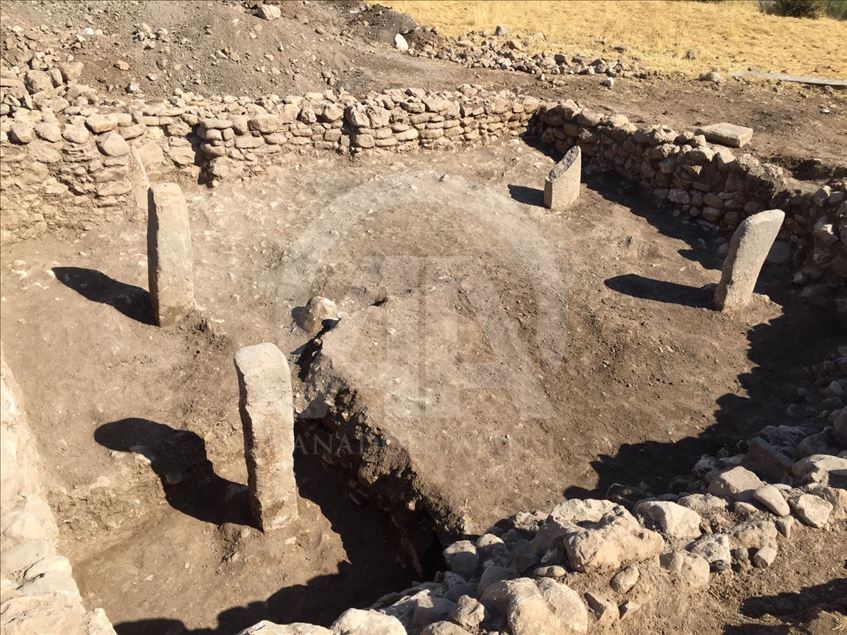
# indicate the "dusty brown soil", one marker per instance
pixel 651 379
pixel 353 46
pixel 138 427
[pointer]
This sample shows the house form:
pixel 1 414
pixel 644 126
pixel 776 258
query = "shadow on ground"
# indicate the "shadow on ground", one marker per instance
pixel 527 195
pixel 780 349
pixel 178 457
pixel 814 609
pixel 373 567
pixel 134 302
pixel 661 291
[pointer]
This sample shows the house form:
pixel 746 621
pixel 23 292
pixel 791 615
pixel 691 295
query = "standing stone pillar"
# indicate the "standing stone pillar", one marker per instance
pixel 267 418
pixel 561 187
pixel 169 254
pixel 748 249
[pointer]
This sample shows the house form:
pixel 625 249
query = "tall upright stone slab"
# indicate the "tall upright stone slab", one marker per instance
pixel 169 254
pixel 561 187
pixel 267 418
pixel 748 249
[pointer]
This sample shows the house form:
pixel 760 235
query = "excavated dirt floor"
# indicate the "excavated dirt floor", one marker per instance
pixel 600 312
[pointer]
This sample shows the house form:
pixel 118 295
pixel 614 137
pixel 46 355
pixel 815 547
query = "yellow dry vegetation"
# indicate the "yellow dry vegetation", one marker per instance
pixel 723 35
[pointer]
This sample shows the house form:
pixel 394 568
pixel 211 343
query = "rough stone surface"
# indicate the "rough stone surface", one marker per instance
pixel 267 418
pixel 670 518
pixel 811 510
pixel 737 483
pixel 169 260
pixel 561 187
pixel 748 249
pixel 615 539
pixel 319 313
pixel 691 568
pixel 625 579
pixel 772 499
pixel 727 134
pixel 359 622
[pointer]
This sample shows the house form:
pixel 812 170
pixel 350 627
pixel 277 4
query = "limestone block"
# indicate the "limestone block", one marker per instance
pixel 267 418
pixel 169 255
pixel 561 187
pixel 748 249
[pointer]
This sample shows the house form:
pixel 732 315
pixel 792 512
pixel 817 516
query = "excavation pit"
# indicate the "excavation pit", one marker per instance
pixel 587 353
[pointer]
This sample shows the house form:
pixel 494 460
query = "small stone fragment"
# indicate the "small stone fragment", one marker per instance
pixel 625 579
pixel 270 12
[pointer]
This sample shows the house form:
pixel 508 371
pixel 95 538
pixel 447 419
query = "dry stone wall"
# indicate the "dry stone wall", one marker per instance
pixel 37 591
pixel 71 159
pixel 709 182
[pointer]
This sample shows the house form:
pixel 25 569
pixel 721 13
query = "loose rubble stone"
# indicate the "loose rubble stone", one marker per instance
pixel 469 613
pixel 319 313
pixel 298 628
pixel 727 134
pixel 764 557
pixel 755 534
pixel 715 549
pixel 550 608
pixel 461 557
pixel 444 628
pixel 811 510
pixel 616 538
pixel 267 418
pixel 561 187
pixel 737 483
pixel 625 579
pixel 748 249
pixel 605 610
pixel 771 498
pixel 49 131
pixel 169 260
pixel 269 12
pixel 400 42
pixel 691 568
pixel 818 468
pixel 670 518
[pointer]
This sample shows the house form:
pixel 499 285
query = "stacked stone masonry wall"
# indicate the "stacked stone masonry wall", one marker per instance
pixel 79 168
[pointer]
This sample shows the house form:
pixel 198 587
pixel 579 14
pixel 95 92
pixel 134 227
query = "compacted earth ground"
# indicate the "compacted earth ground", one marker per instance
pixel 589 358
pixel 141 429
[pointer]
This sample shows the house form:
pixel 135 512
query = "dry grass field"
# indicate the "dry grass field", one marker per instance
pixel 723 35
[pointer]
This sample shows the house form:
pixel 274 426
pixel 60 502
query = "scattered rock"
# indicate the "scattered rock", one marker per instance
pixel 625 579
pixel 811 510
pixel 673 520
pixel 691 568
pixel 270 12
pixel 360 622
pixel 771 498
pixel 400 42
pixel 737 483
